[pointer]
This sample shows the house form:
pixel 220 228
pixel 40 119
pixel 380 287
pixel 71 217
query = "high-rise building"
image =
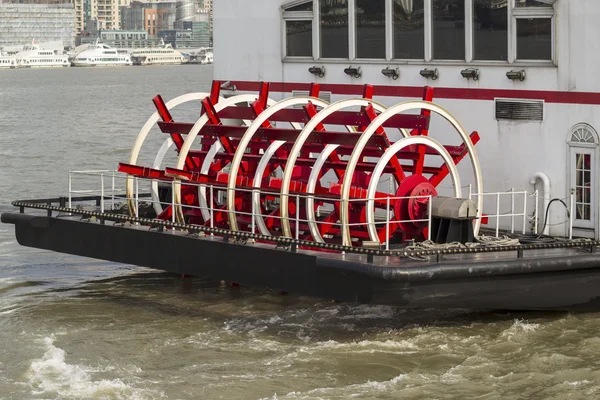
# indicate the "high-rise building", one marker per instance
pixel 110 11
pixel 84 11
pixel 208 5
pixel 22 23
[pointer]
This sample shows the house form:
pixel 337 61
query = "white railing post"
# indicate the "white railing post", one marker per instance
pixel 137 199
pixel 572 205
pixel 429 222
pixel 536 220
pixel 524 212
pixel 253 211
pixel 112 207
pixel 387 223
pixel 297 216
pixel 173 202
pixel 212 213
pixel 498 214
pixel 101 193
pixel 343 225
pixel 70 188
pixel 512 210
pixel 470 191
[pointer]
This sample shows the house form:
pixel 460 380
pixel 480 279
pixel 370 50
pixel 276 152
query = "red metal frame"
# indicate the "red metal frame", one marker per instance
pixel 229 137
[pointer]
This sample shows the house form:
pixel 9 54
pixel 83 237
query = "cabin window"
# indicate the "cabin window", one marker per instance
pixel 448 29
pixel 534 20
pixel 534 38
pixel 298 27
pixel 370 29
pixel 408 20
pixel 334 29
pixel 298 38
pixel 504 31
pixel 490 31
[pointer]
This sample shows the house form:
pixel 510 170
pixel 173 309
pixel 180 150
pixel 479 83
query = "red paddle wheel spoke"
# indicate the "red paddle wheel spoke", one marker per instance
pixel 420 161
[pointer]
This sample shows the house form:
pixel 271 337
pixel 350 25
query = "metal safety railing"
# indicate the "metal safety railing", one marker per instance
pixel 112 190
pixel 512 214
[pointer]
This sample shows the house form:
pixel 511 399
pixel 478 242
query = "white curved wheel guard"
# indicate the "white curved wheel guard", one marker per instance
pixel 262 165
pixel 312 180
pixel 385 159
pixel 377 122
pixel 189 140
pixel 210 156
pixel 141 137
pixel 291 162
pixel 239 152
pixel 162 152
pixel 310 189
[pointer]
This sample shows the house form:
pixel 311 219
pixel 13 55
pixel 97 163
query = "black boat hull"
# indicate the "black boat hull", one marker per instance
pixel 570 281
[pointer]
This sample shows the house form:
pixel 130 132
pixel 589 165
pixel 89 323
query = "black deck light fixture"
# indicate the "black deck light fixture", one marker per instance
pixel 318 71
pixel 470 73
pixel 514 75
pixel 430 73
pixel 393 73
pixel 352 71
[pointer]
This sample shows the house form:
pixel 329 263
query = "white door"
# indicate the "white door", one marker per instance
pixel 583 178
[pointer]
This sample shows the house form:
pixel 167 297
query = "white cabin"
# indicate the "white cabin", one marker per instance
pixel 535 102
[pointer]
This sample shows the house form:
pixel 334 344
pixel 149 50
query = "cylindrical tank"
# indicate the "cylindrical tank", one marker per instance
pixel 188 10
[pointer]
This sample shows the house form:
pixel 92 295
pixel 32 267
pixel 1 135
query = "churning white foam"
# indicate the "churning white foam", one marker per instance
pixel 52 375
pixel 520 328
pixel 366 389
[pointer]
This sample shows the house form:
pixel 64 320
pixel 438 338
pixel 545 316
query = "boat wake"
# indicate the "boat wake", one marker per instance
pixel 53 375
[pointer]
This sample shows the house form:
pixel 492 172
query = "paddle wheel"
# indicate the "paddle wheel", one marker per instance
pixel 302 167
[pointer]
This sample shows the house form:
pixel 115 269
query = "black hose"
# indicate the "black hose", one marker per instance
pixel 538 239
pixel 548 210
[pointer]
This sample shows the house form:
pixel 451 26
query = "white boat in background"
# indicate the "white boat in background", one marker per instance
pixel 32 56
pixel 208 57
pixel 7 61
pixel 202 56
pixel 163 55
pixel 101 55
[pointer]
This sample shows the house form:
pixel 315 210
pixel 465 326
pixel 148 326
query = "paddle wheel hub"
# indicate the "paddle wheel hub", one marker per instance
pixel 412 203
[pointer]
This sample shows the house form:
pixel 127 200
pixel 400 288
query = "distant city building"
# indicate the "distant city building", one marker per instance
pixel 22 23
pixel 182 23
pixel 150 16
pixel 36 1
pixel 188 35
pixel 208 5
pixel 94 26
pixel 187 10
pixel 110 11
pixel 194 11
pixel 85 10
pixel 122 39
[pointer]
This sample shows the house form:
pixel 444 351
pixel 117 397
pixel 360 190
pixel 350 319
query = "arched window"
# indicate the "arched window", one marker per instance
pixel 583 148
pixel 583 134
